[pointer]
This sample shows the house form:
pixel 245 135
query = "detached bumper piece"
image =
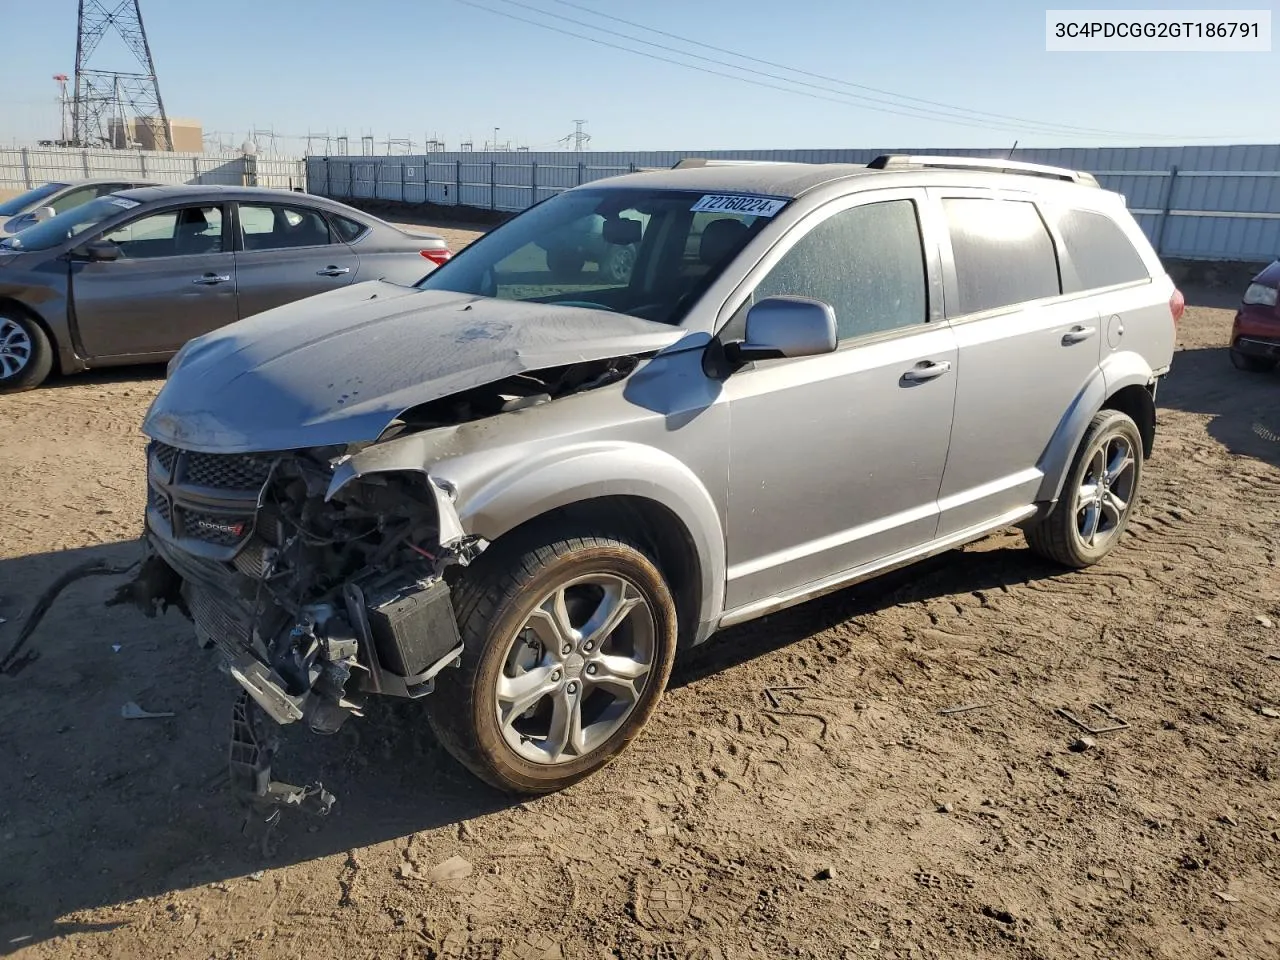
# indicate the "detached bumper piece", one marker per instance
pixel 250 767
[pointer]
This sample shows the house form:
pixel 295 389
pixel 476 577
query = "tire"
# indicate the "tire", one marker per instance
pixel 485 714
pixel 1062 536
pixel 1242 361
pixel 564 263
pixel 618 263
pixel 26 356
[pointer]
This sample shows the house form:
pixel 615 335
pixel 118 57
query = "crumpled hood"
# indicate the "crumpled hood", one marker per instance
pixel 339 367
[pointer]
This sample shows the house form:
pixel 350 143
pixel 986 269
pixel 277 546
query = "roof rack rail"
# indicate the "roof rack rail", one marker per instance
pixel 899 161
pixel 704 162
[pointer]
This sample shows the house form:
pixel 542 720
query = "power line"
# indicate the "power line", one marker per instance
pixel 1036 126
pixel 836 80
pixel 691 66
pixel 839 97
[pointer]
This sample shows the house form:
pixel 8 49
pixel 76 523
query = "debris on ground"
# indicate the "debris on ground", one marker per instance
pixel 10 662
pixel 1264 621
pixel 455 868
pixel 1083 744
pixel 131 711
pixel 969 708
pixel 1116 722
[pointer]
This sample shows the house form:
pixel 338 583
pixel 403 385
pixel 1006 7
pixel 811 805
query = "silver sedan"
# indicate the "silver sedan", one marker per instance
pixel 131 276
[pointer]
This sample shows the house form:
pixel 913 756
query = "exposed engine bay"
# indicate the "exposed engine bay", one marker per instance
pixel 318 599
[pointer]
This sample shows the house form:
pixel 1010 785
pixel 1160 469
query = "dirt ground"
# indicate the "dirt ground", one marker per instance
pixel 802 792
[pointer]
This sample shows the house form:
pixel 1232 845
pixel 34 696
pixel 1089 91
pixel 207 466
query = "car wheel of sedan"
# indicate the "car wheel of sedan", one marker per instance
pixel 618 264
pixel 1242 361
pixel 568 644
pixel 1098 497
pixel 26 357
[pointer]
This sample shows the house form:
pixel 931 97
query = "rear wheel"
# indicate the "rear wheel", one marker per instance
pixel 568 644
pixel 1242 361
pixel 1098 497
pixel 26 356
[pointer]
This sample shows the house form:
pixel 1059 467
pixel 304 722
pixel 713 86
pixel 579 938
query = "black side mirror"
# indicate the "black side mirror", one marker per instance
pixel 97 251
pixel 786 327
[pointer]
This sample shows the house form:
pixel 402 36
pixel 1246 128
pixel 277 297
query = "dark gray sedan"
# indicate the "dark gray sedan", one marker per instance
pixel 132 276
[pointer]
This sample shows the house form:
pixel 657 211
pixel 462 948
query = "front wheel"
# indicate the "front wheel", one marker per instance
pixel 1098 496
pixel 26 356
pixel 568 644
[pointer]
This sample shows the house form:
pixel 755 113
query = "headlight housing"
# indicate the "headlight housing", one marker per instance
pixel 1260 294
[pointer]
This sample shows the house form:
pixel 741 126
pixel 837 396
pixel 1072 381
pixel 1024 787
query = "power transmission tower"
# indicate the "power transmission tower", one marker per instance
pixel 579 137
pixel 103 96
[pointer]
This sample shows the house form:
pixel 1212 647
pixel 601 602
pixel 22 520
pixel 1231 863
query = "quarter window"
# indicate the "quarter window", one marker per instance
pixel 1099 250
pixel 275 227
pixel 866 262
pixel 348 230
pixel 1003 253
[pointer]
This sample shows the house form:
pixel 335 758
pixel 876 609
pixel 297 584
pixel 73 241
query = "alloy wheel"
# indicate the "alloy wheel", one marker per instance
pixel 576 669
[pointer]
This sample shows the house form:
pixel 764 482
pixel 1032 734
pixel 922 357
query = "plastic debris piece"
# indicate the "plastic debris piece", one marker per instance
pixel 131 711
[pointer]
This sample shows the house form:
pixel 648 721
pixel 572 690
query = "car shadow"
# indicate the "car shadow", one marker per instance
pixel 950 573
pixel 110 809
pixel 1244 407
pixel 142 373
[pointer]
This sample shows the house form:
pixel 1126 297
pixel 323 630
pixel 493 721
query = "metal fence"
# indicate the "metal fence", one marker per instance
pixel 1194 202
pixel 22 168
pixel 493 184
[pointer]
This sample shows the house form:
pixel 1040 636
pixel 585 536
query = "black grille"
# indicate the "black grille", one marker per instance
pixel 160 502
pixel 165 454
pixel 215 620
pixel 213 528
pixel 225 471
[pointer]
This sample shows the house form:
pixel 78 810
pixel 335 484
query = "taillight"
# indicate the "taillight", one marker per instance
pixel 1177 304
pixel 437 256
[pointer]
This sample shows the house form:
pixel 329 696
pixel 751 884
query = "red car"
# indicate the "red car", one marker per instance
pixel 1255 335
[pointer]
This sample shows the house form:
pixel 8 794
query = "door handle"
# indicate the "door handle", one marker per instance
pixel 209 279
pixel 333 271
pixel 928 370
pixel 1077 334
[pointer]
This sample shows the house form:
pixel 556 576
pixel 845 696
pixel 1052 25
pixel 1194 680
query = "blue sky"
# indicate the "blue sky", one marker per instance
pixel 409 68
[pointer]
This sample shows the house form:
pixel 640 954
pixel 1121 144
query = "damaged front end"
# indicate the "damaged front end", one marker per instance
pixel 314 601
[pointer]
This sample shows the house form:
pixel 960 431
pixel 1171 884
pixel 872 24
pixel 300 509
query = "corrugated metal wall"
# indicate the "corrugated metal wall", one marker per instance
pixel 1195 202
pixel 22 168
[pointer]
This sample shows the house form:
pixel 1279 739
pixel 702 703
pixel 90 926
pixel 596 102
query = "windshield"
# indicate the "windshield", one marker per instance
pixel 16 205
pixel 65 226
pixel 647 253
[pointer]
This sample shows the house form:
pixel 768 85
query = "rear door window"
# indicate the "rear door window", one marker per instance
pixel 1003 253
pixel 278 227
pixel 1099 250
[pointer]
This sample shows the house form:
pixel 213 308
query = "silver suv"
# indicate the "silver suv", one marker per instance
pixel 524 492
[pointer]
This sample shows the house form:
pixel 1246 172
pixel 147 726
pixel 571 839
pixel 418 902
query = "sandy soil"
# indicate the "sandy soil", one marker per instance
pixel 801 792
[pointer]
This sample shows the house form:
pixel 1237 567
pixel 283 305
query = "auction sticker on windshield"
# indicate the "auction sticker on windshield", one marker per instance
pixel 124 202
pixel 739 203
